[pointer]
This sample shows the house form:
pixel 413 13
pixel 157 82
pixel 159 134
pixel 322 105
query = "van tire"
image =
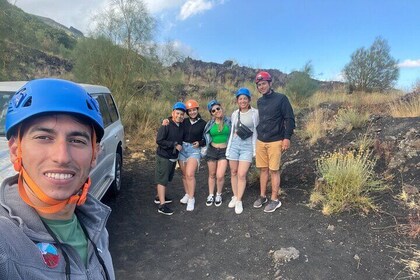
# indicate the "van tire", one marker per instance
pixel 115 187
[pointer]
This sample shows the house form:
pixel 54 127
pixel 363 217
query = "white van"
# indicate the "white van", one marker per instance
pixel 107 172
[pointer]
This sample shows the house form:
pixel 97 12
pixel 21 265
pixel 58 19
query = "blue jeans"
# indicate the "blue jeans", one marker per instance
pixel 240 150
pixel 188 151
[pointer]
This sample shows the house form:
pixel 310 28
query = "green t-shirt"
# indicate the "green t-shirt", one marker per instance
pixel 71 233
pixel 219 137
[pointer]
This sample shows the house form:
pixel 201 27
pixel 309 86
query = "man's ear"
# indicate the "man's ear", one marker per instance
pixel 13 148
pixel 95 155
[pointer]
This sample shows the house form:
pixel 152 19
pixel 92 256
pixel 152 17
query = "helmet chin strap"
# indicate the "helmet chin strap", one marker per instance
pixel 53 205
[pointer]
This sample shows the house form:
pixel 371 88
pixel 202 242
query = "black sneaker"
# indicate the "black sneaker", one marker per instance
pixel 165 210
pixel 167 200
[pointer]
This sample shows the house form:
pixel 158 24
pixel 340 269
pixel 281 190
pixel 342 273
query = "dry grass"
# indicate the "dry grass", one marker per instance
pixel 406 109
pixel 328 98
pixel 411 200
pixel 315 126
pixel 351 118
pixel 347 180
pixel 411 261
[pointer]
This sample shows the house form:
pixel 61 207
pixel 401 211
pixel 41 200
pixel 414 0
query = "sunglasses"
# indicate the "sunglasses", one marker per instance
pixel 215 109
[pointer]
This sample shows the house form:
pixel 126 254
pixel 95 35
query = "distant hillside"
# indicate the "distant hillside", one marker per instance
pixel 71 31
pixel 197 72
pixel 30 48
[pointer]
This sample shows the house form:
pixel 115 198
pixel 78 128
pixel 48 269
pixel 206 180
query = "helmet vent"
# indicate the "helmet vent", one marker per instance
pixel 28 102
pixel 89 105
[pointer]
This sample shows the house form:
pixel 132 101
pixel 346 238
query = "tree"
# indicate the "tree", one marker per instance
pixel 373 69
pixel 126 23
pixel 300 85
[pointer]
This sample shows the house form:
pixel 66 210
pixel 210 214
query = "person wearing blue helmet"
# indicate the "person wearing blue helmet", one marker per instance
pixel 241 146
pixel 216 134
pixel 50 226
pixel 169 140
pixel 190 155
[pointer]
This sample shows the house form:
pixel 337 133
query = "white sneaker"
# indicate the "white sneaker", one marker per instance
pixel 184 200
pixel 190 204
pixel 232 202
pixel 238 207
pixel 218 200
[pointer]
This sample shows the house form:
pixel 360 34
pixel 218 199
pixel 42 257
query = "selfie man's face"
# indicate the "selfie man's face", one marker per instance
pixel 56 154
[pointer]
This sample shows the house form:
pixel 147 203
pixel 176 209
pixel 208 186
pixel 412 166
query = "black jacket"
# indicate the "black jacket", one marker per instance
pixel 167 138
pixel 277 120
pixel 194 132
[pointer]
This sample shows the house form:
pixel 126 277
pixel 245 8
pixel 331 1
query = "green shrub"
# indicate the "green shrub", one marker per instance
pixel 350 118
pixel 347 180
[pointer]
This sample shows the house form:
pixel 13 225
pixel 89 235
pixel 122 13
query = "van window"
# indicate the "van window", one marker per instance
pixel 112 108
pixel 103 107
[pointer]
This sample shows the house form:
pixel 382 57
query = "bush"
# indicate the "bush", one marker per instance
pixel 350 118
pixel 300 85
pixel 347 179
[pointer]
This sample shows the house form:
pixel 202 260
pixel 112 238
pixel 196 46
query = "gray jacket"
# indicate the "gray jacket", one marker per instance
pixel 21 229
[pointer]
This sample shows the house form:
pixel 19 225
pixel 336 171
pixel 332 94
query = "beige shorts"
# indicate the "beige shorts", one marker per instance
pixel 268 154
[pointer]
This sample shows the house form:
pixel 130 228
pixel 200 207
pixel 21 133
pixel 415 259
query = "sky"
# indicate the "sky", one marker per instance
pixel 270 34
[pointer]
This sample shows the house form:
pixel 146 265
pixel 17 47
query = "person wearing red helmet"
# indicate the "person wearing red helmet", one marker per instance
pixel 277 122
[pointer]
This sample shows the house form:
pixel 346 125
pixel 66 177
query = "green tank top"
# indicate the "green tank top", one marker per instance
pixel 219 137
pixel 70 232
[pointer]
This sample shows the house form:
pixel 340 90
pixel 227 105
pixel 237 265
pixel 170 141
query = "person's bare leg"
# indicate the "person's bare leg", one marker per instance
pixel 190 169
pixel 242 172
pixel 275 184
pixel 220 174
pixel 233 165
pixel 263 180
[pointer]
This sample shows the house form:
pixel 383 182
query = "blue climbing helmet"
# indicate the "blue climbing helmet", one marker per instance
pixel 243 91
pixel 211 104
pixel 51 96
pixel 179 106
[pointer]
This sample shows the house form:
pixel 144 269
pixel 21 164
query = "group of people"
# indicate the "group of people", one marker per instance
pixel 51 227
pixel 263 132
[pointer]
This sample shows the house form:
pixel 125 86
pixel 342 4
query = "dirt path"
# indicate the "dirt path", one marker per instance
pixel 215 243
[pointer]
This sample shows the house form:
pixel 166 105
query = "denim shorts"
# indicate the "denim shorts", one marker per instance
pixel 240 150
pixel 188 151
pixel 214 154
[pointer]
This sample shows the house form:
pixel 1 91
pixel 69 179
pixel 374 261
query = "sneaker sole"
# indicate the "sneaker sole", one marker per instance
pixel 166 202
pixel 167 214
pixel 209 204
pixel 217 204
pixel 259 206
pixel 271 211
